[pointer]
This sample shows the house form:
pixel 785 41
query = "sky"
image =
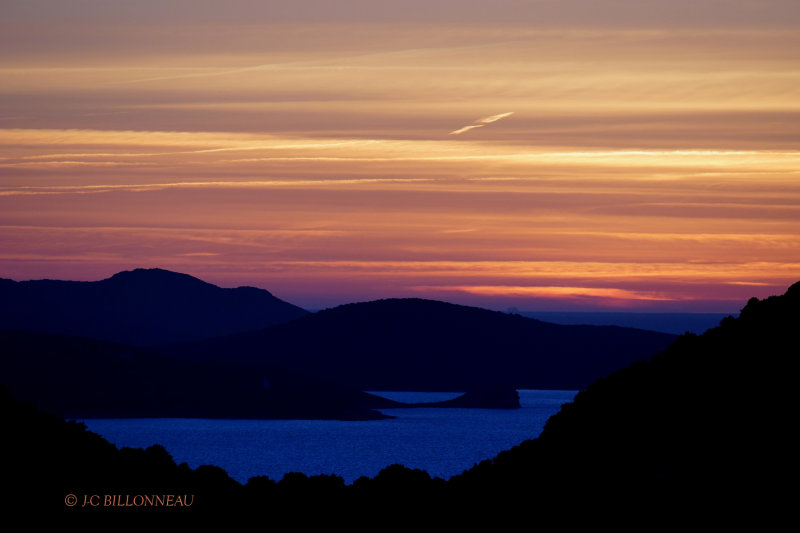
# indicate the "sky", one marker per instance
pixel 634 155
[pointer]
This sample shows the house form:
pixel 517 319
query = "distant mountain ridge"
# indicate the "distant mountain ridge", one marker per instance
pixel 391 344
pixel 675 323
pixel 416 344
pixel 139 307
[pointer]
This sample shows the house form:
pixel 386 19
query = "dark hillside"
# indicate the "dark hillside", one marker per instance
pixel 139 307
pixel 413 344
pixel 706 424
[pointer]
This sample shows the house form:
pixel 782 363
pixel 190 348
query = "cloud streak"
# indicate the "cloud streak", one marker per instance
pixel 481 122
pixel 493 118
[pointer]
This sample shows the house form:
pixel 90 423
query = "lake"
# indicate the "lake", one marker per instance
pixel 443 442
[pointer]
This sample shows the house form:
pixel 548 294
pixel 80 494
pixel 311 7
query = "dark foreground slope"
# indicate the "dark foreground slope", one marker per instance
pixel 706 425
pixel 47 460
pixel 414 344
pixel 139 307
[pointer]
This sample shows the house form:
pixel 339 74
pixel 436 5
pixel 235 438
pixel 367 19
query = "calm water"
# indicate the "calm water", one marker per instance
pixel 442 441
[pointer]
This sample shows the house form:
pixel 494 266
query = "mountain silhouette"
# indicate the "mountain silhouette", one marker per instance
pixel 415 344
pixel 139 307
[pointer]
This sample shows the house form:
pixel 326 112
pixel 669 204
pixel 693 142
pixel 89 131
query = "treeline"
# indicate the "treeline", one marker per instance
pixel 46 459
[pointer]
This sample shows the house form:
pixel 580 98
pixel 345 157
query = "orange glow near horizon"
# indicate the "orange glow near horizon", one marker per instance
pixel 544 163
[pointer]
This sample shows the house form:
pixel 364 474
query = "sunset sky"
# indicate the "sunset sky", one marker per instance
pixel 544 155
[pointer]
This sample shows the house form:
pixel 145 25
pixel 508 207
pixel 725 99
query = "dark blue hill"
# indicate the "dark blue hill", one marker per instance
pixel 139 307
pixel 415 344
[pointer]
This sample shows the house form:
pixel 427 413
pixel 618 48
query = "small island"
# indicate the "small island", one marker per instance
pixel 485 397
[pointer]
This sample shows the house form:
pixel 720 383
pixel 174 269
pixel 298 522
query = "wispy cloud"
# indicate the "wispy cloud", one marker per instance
pixel 466 128
pixel 212 184
pixel 481 122
pixel 547 291
pixel 493 118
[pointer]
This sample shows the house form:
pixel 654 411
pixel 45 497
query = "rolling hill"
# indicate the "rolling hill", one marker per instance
pixel 415 344
pixel 139 307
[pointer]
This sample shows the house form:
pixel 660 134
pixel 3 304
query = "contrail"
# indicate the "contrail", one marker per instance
pixel 494 118
pixel 481 122
pixel 466 128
